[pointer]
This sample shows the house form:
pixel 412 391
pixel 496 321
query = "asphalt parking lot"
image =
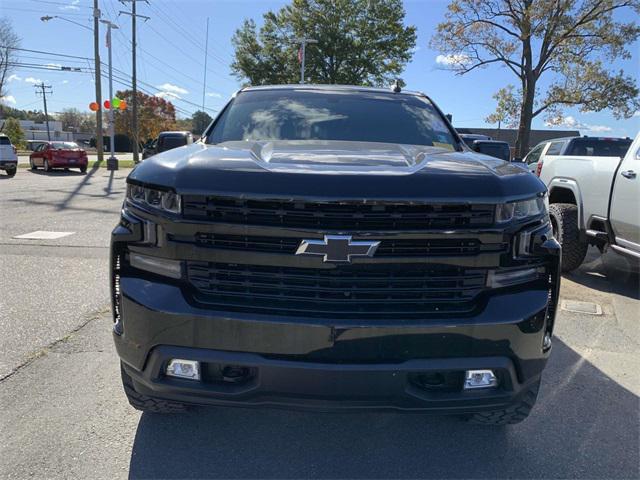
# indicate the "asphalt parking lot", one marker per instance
pixel 64 414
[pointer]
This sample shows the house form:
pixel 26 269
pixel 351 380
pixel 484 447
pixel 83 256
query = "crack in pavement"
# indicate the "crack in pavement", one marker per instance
pixel 32 357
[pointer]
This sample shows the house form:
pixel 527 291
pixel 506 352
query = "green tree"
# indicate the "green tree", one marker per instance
pixel 564 47
pixel 507 108
pixel 14 131
pixel 199 122
pixel 155 115
pixel 360 42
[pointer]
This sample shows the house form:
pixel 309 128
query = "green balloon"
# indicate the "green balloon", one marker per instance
pixel 115 102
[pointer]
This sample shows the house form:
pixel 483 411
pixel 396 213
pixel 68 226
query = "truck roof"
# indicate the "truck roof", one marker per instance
pixel 334 88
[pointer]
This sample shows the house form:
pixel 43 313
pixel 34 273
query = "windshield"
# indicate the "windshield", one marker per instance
pixel 599 147
pixel 5 141
pixel 64 145
pixel 332 115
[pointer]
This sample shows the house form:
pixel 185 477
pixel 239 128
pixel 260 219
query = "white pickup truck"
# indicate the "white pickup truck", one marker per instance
pixel 594 194
pixel 8 156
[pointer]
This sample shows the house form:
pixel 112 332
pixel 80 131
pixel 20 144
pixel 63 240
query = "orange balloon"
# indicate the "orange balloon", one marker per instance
pixel 123 105
pixel 94 107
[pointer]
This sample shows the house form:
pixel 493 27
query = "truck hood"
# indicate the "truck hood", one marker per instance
pixel 337 170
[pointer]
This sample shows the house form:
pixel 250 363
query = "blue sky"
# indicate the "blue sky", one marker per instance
pixel 171 54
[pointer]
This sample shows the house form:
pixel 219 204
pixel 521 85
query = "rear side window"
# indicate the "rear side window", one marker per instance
pixel 599 147
pixel 5 141
pixel 534 155
pixel 555 148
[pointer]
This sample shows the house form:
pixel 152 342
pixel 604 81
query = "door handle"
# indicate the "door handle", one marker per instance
pixel 628 174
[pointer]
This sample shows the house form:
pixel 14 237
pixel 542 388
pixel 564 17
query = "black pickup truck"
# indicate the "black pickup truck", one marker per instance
pixel 335 248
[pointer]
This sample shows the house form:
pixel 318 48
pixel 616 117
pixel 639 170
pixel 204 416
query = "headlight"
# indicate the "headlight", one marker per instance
pixel 505 212
pixel 152 198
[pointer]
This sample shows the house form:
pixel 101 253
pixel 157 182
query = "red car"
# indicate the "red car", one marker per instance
pixel 49 155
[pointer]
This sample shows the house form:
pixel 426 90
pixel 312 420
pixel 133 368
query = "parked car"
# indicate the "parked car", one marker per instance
pixel 594 194
pixel 167 141
pixel 493 148
pixel 339 248
pixel 8 156
pixel 50 155
pixel 576 146
pixel 469 138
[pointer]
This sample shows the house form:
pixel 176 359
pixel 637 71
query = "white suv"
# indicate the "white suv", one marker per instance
pixel 8 156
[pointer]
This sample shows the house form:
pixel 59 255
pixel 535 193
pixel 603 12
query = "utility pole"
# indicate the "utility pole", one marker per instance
pixel 112 162
pixel 43 89
pixel 206 53
pixel 96 58
pixel 134 106
pixel 302 53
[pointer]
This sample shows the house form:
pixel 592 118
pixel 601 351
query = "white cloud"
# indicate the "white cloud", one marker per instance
pixel 13 77
pixel 637 114
pixel 454 59
pixel 214 94
pixel 572 122
pixel 71 6
pixel 166 95
pixel 64 82
pixel 169 87
pixel 32 80
pixel 8 100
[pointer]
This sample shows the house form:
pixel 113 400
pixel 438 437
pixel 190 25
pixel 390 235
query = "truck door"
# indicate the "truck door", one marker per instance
pixel 625 202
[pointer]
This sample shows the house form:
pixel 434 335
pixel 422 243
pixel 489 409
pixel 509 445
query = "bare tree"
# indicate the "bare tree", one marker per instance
pixel 571 43
pixel 9 41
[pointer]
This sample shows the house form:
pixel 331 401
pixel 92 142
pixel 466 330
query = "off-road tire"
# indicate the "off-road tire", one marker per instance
pixel 145 403
pixel 511 415
pixel 564 216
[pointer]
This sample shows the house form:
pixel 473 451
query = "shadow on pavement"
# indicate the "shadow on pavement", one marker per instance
pixel 584 425
pixel 58 173
pixel 611 273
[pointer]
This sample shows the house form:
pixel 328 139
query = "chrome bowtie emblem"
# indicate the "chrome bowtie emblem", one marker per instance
pixel 337 248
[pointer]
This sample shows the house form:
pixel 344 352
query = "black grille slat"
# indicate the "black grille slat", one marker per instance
pixel 355 291
pixel 336 215
pixel 387 248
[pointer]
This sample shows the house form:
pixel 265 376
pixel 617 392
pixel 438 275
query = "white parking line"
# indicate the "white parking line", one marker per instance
pixel 44 235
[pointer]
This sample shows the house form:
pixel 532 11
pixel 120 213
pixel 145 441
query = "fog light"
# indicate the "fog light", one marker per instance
pixel 479 379
pixel 184 369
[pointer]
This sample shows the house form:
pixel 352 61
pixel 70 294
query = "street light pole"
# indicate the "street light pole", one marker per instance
pixel 96 53
pixel 303 47
pixel 112 161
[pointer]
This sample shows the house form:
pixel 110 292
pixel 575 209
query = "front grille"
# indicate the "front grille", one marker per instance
pixel 349 216
pixel 419 247
pixel 351 291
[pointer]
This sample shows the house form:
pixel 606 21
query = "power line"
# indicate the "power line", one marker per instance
pixel 60 3
pixel 186 34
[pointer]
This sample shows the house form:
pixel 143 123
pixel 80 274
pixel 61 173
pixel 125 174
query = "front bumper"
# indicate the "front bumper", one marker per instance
pixel 324 363
pixel 8 164
pixel 329 387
